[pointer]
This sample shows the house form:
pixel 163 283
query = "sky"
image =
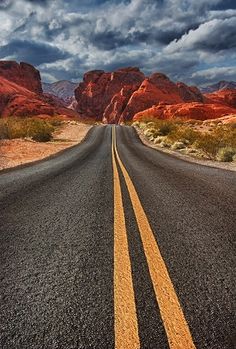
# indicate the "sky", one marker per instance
pixel 189 40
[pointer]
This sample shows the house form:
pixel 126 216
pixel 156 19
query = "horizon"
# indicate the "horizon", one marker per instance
pixel 191 42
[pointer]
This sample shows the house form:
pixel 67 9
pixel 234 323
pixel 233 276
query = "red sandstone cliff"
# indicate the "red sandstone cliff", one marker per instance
pixel 21 92
pixel 98 88
pixel 22 74
pixel 118 96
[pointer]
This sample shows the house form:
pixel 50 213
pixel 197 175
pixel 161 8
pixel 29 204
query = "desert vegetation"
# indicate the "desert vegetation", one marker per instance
pixel 37 129
pixel 207 140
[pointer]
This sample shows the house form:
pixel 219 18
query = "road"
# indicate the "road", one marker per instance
pixel 112 244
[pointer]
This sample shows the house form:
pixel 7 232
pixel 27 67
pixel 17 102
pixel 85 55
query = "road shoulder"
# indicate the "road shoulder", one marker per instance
pixel 230 166
pixel 20 152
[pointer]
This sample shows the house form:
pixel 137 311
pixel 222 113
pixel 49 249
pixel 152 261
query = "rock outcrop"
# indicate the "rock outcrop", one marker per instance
pixel 117 105
pixel 190 93
pixel 225 97
pixel 118 96
pixel 21 93
pixel 16 100
pixel 98 88
pixel 22 74
pixel 198 111
pixel 159 88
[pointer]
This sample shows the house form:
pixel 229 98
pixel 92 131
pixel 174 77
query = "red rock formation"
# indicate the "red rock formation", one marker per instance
pixel 118 103
pixel 158 88
pixel 190 93
pixel 226 97
pixel 16 100
pixel 98 88
pixel 22 74
pixel 198 111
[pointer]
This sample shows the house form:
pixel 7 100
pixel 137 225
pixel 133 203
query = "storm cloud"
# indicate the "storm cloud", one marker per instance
pixel 189 40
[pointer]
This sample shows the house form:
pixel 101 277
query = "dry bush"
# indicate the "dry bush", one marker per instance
pixel 37 129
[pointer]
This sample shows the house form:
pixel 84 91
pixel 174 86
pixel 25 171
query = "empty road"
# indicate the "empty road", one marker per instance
pixel 112 244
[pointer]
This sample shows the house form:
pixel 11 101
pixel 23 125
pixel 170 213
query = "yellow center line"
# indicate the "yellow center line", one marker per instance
pixel 126 323
pixel 176 327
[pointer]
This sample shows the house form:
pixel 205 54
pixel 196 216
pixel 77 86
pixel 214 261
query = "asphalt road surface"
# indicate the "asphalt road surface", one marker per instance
pixel 112 244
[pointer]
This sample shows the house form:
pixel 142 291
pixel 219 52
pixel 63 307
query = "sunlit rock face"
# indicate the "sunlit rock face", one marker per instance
pixel 116 97
pixel 94 95
pixel 22 74
pixel 186 111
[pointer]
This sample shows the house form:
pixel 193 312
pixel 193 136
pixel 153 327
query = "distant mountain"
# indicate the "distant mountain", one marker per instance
pixel 63 89
pixel 221 85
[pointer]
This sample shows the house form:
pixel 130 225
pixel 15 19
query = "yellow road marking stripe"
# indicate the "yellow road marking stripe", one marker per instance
pixel 126 323
pixel 176 327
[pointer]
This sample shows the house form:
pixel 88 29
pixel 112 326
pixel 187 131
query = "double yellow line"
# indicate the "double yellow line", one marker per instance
pixel 126 322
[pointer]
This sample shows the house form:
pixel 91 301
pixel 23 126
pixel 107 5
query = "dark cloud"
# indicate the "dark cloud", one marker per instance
pixel 224 5
pixel 32 52
pixel 177 37
pixel 5 4
pixel 38 2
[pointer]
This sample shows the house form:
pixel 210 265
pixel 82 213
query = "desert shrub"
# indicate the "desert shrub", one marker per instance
pixel 3 130
pixel 55 122
pixel 209 144
pixel 226 154
pixel 135 123
pixel 165 129
pixel 151 132
pixel 38 130
pixel 184 134
pixel 178 146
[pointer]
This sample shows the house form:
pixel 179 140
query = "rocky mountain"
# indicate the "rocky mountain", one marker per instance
pixel 225 97
pixel 221 85
pixel 63 89
pixel 21 93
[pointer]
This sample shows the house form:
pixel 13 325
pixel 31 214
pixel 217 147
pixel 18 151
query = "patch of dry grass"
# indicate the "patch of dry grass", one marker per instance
pixel 37 129
pixel 216 143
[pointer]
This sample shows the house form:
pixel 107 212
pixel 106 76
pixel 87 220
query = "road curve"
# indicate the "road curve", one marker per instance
pixel 110 215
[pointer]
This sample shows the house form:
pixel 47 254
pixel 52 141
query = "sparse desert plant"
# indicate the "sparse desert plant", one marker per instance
pixel 159 139
pixel 165 128
pixel 136 124
pixel 55 122
pixel 226 154
pixel 178 146
pixel 3 130
pixel 184 134
pixel 40 130
pixel 150 132
pixel 209 144
pixel 37 129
